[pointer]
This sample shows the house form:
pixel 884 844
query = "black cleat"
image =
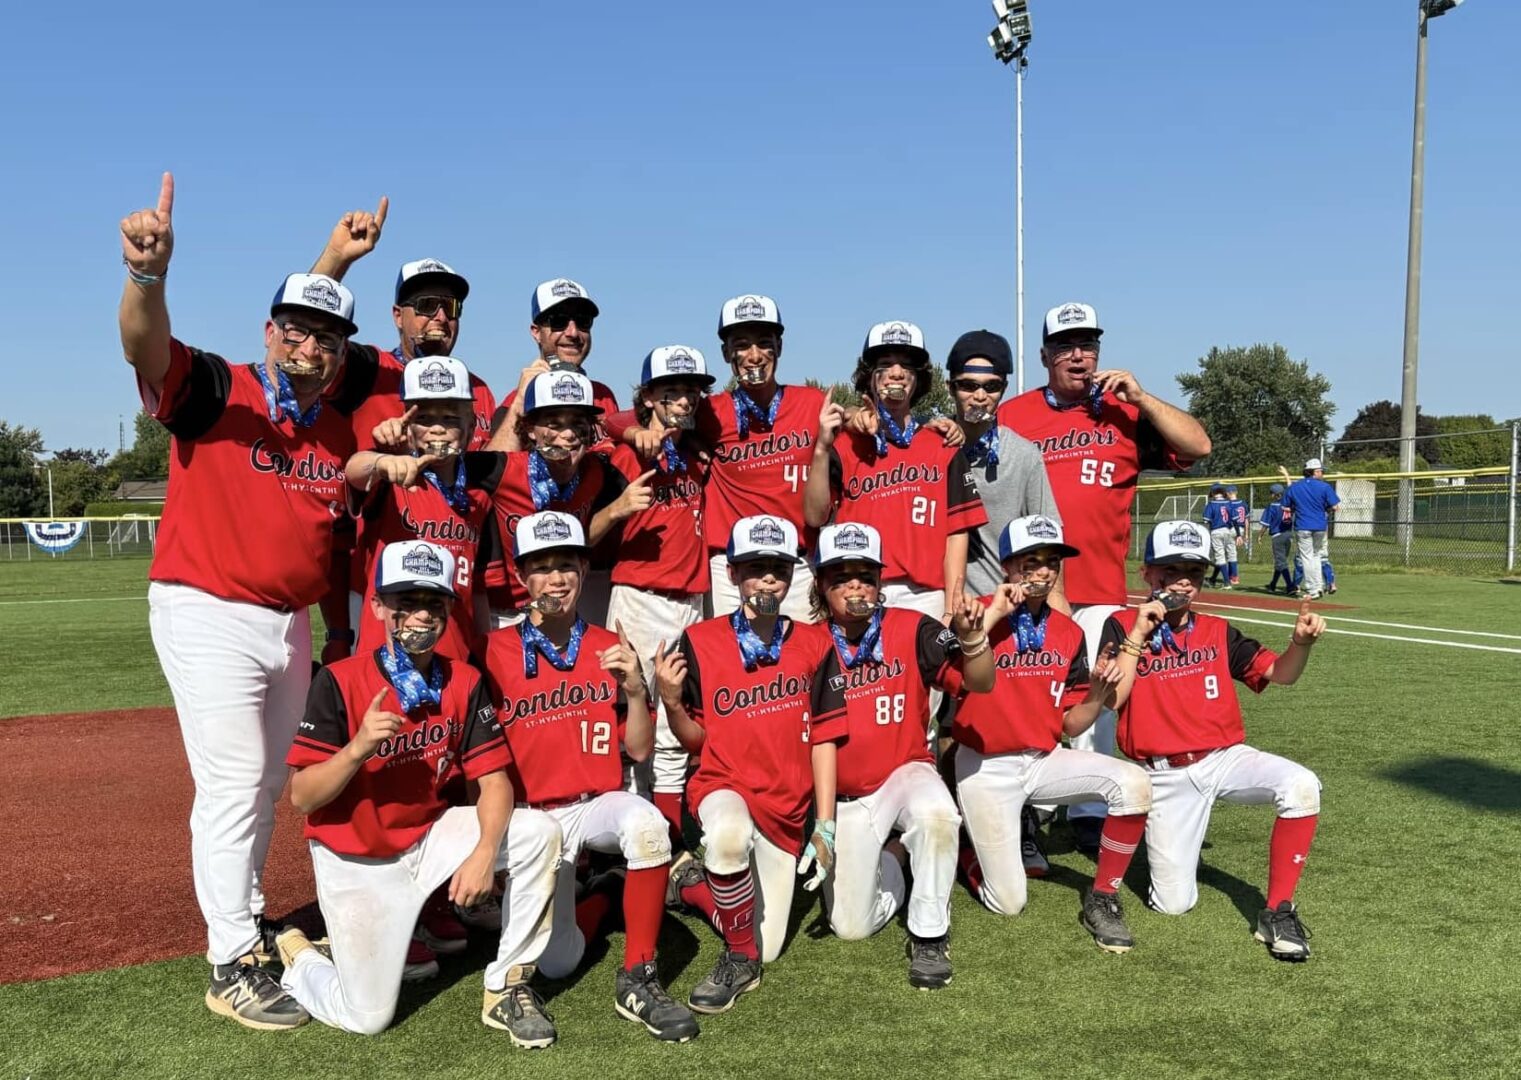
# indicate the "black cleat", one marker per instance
pixel 929 962
pixel 1103 917
pixel 641 998
pixel 1281 931
pixel 519 1011
pixel 733 975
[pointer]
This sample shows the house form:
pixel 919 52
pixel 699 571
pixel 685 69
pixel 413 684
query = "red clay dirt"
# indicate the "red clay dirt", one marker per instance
pixel 97 869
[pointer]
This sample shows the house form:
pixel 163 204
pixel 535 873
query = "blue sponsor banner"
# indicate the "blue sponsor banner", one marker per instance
pixel 56 537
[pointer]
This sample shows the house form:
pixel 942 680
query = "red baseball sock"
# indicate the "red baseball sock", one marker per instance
pixel 733 899
pixel 643 907
pixel 699 896
pixel 669 805
pixel 1287 852
pixel 591 913
pixel 1117 843
pixel 971 869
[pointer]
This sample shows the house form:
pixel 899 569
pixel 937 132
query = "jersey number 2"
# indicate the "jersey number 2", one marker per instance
pixel 923 512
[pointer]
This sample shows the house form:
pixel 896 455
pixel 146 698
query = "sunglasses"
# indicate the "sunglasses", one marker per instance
pixel 294 334
pixel 559 320
pixel 971 386
pixel 429 306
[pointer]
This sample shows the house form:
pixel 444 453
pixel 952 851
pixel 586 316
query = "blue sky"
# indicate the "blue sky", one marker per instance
pixel 1205 173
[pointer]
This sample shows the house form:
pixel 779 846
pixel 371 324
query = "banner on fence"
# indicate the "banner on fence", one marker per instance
pixel 55 537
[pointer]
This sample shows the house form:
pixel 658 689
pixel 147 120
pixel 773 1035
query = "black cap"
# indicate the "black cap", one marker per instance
pixel 984 343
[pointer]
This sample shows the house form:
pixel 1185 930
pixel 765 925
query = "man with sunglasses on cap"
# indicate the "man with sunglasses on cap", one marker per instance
pixel 1010 472
pixel 661 578
pixel 383 733
pixel 245 547
pixel 1097 429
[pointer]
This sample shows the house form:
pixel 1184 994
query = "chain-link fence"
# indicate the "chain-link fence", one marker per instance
pixel 78 538
pixel 1462 521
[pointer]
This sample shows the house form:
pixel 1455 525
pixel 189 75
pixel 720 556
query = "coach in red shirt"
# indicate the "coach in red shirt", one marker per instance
pixel 1097 429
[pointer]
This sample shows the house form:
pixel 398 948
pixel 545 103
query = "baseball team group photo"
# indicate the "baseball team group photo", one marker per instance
pixel 730 696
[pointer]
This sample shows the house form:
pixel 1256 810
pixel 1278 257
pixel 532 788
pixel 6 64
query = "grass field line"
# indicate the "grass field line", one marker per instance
pixel 72 600
pixel 1375 622
pixel 1384 637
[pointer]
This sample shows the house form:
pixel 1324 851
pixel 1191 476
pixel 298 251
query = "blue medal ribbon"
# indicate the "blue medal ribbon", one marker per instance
pixel 543 487
pixel 1094 401
pixel 746 411
pixel 985 450
pixel 454 494
pixel 407 681
pixel 888 431
pixel 672 460
pixel 281 402
pixel 752 650
pixel 870 647
pixel 1163 636
pixel 536 643
pixel 1029 635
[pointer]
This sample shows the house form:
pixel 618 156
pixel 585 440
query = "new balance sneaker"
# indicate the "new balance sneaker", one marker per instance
pixel 1103 917
pixel 251 995
pixel 1281 931
pixel 1030 853
pixel 640 997
pixel 487 915
pixel 422 962
pixel 519 1011
pixel 291 943
pixel 733 975
pixel 685 872
pixel 929 962
pixel 439 929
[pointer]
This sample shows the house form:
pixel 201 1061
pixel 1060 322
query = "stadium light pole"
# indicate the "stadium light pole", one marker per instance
pixel 1009 40
pixel 1409 405
pixel 48 467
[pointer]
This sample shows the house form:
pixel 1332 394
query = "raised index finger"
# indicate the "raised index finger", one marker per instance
pixel 622 637
pixel 381 211
pixel 1305 607
pixel 645 479
pixel 166 196
pixel 378 699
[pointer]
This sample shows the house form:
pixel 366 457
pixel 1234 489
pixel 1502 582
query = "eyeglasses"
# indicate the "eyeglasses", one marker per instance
pixel 429 306
pixel 559 320
pixel 294 334
pixel 1073 348
pixel 971 386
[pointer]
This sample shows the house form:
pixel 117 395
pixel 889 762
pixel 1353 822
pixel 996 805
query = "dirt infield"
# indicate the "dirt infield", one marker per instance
pixel 97 871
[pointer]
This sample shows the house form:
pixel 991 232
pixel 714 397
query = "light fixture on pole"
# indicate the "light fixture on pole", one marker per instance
pixel 1009 41
pixel 1409 404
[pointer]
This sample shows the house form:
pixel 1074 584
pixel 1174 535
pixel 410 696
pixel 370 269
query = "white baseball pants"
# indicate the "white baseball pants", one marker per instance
pixel 724 598
pixel 1312 548
pixel 616 821
pixel 371 905
pixel 867 887
pixel 650 618
pixel 239 674
pixel 993 789
pixel 931 602
pixel 1100 738
pixel 732 843
pixel 1222 545
pixel 1181 801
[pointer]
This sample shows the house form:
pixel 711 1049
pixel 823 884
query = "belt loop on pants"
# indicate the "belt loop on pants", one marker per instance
pixel 558 804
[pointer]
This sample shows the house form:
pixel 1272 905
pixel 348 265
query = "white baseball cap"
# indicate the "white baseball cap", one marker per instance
pixel 410 565
pixel 850 542
pixel 414 275
pixel 1313 464
pixel 763 536
pixel 896 336
pixel 1033 533
pixel 750 308
pixel 435 378
pixel 560 390
pixel 319 293
pixel 557 291
pixel 1065 318
pixel 547 530
pixel 1177 541
pixel 675 362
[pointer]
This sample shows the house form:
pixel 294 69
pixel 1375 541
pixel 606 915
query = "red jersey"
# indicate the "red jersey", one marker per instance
pixel 1031 691
pixel 565 728
pixel 757 724
pixel 392 514
pixel 766 470
pixel 602 397
pixel 394 798
pixel 252 504
pixel 663 548
pixel 885 707
pixel 1185 700
pixel 915 497
pixel 383 401
pixel 1093 465
pixel 505 477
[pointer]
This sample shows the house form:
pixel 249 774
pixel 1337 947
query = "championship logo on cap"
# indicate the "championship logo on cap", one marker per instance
pixel 1185 536
pixel 1036 532
pixel 767 533
pixel 851 538
pixel 748 307
pixel 1042 528
pixel 431 266
pixel 563 288
pixel 422 561
pixel 763 537
pixel 551 528
pixel 680 362
pixel 897 334
pixel 436 378
pixel 567 389
pixel 546 531
pixel 419 566
pixel 316 292
pixel 848 543
pixel 320 293
pixel 1177 541
pixel 1071 315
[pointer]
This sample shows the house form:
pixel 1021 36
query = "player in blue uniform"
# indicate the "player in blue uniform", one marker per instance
pixel 1275 522
pixel 1219 519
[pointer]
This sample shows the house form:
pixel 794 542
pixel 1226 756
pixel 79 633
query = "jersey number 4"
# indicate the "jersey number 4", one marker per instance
pixel 796 476
pixel 596 738
pixel 1094 471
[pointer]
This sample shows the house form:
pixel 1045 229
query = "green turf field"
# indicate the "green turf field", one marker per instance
pixel 1407 894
